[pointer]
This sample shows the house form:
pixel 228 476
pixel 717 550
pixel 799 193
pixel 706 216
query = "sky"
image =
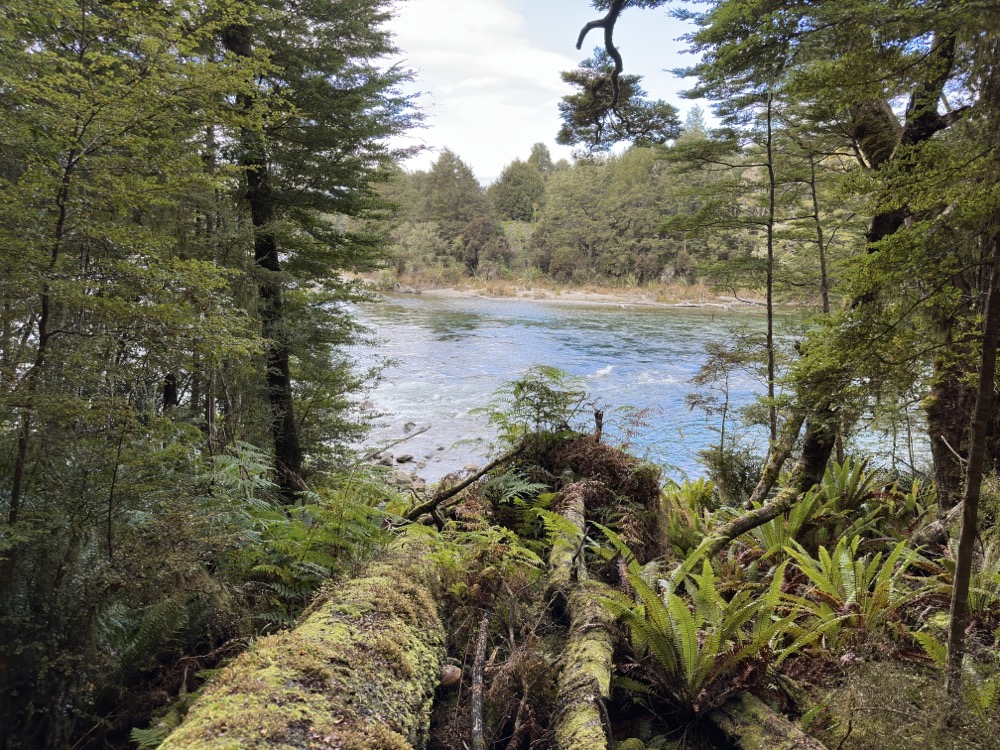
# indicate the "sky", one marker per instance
pixel 488 71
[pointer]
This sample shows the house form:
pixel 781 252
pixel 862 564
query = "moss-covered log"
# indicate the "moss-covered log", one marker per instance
pixel 750 724
pixel 359 672
pixel 585 679
pixel 566 556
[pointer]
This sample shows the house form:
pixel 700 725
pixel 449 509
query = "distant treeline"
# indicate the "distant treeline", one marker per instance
pixel 693 211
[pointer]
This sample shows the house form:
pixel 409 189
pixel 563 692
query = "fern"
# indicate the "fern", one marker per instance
pixel 699 648
pixel 544 399
pixel 855 596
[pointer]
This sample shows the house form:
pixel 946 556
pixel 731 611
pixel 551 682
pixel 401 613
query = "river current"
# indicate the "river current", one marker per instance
pixel 451 353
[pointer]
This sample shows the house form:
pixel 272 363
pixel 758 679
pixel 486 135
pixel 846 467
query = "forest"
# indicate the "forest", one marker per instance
pixel 196 554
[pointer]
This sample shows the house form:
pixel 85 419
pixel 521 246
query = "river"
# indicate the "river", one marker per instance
pixel 450 354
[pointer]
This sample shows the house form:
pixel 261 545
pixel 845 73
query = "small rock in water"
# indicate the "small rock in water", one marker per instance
pixel 408 427
pixel 385 459
pixel 422 464
pixel 471 467
pixel 404 458
pixel 440 447
pixel 400 477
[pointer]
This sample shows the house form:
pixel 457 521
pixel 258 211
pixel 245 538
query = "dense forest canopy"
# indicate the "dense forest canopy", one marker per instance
pixel 191 186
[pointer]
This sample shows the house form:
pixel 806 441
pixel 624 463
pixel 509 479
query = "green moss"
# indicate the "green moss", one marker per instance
pixel 359 672
pixel 586 675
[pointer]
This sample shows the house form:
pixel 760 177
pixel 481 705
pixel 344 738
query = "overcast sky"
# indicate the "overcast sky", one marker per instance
pixel 488 71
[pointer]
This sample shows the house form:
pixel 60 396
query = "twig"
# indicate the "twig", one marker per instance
pixel 478 739
pixel 371 454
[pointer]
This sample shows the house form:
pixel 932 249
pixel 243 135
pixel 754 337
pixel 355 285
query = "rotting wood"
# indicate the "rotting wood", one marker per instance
pixel 750 724
pixel 478 736
pixel 565 559
pixel 585 679
pixel 358 672
pixel 443 496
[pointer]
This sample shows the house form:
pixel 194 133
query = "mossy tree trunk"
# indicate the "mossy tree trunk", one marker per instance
pixel 359 672
pixel 587 661
pixel 749 724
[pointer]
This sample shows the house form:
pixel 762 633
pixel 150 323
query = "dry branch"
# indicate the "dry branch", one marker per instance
pixel 443 496
pixel 478 738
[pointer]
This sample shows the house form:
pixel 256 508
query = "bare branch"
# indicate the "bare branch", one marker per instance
pixel 608 24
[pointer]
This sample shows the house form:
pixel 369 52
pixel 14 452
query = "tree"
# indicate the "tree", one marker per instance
pixel 610 109
pixel 518 192
pixel 541 159
pixel 150 233
pixel 103 292
pixel 322 149
pixel 451 195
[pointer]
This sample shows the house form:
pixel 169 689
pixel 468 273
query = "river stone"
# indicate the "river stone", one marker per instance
pixel 471 467
pixel 404 458
pixel 400 477
pixel 385 459
pixel 422 464
pixel 408 427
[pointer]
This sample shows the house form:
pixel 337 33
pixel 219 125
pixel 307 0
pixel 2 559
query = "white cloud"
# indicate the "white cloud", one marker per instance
pixel 492 91
pixel 490 71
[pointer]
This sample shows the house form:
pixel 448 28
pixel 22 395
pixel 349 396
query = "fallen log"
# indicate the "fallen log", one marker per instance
pixel 359 672
pixel 587 660
pixel 750 724
pixel 585 680
pixel 566 557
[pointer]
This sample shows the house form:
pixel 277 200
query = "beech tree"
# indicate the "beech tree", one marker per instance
pixel 518 192
pixel 163 255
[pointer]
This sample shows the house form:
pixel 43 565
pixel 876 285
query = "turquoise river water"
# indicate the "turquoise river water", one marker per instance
pixel 451 353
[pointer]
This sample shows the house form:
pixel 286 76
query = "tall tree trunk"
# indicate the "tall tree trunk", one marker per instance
pixel 261 200
pixel 973 480
pixel 772 410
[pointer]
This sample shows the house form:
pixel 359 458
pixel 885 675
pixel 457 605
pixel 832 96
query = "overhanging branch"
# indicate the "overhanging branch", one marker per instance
pixel 608 24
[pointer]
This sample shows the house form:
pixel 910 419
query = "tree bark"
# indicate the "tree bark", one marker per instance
pixel 478 734
pixel 816 449
pixel 973 481
pixel 359 671
pixel 585 680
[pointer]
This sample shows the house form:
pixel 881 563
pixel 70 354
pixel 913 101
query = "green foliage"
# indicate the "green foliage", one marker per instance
pixel 701 648
pixel 293 551
pixel 593 119
pixel 687 514
pixel 519 191
pixel 853 597
pixel 544 400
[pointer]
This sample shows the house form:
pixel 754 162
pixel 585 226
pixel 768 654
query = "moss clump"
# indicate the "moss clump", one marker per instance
pixel 359 672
